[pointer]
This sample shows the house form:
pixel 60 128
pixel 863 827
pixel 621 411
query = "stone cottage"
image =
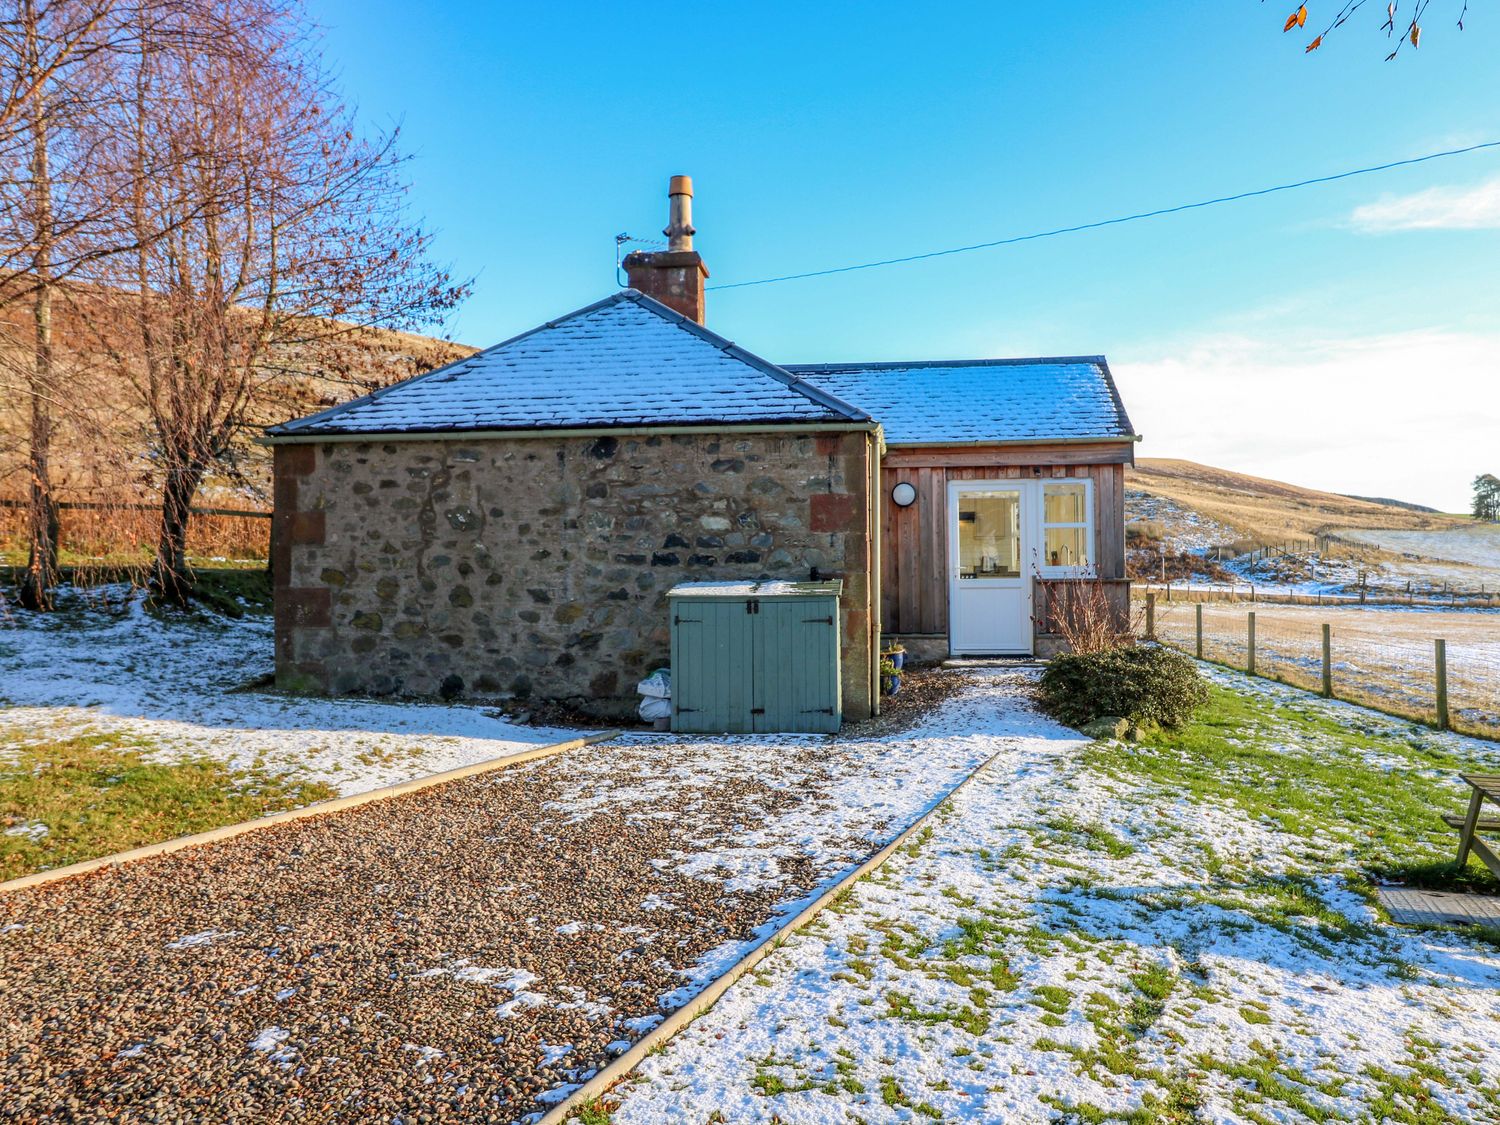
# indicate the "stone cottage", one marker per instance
pixel 510 524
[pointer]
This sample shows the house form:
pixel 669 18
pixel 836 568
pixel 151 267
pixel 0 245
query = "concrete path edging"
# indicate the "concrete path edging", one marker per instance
pixel 321 808
pixel 620 1068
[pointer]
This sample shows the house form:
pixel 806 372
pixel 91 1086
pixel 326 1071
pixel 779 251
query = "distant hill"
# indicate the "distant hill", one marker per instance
pixel 1396 503
pixel 1259 508
pixel 107 443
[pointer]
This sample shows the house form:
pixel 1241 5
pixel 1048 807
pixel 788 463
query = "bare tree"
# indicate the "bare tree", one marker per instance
pixel 49 222
pixel 1401 27
pixel 266 227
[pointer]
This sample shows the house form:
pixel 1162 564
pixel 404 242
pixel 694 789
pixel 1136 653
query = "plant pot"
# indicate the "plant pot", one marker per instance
pixel 897 656
pixel 890 684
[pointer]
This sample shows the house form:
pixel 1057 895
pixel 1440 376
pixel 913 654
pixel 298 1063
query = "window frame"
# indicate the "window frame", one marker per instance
pixel 1087 525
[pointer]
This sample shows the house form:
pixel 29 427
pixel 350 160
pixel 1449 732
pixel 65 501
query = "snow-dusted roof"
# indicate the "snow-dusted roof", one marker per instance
pixel 624 361
pixel 1071 398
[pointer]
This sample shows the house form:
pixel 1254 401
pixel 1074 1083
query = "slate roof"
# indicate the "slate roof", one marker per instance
pixel 624 361
pixel 1070 398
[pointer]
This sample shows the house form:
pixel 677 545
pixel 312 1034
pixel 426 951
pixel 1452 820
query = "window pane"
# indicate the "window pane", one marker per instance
pixel 1067 546
pixel 1064 503
pixel 989 534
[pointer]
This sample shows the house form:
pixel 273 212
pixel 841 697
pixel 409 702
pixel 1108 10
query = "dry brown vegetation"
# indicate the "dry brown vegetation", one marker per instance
pixel 1268 510
pixel 103 450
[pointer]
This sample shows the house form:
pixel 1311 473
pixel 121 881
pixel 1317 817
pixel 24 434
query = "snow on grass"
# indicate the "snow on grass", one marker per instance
pixel 1177 930
pixel 1382 656
pixel 1474 547
pixel 178 681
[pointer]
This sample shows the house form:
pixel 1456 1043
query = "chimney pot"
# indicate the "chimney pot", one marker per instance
pixel 673 276
pixel 679 230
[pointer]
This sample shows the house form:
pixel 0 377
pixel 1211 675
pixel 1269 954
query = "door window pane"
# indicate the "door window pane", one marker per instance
pixel 1067 546
pixel 989 534
pixel 1064 503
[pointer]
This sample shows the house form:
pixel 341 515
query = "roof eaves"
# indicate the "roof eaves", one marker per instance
pixel 1124 419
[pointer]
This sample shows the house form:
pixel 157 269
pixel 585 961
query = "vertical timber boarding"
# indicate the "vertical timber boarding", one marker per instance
pixel 914 553
pixel 712 634
pixel 753 663
pixel 796 665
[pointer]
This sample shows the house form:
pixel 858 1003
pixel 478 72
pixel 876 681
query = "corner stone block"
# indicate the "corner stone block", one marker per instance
pixel 834 511
pixel 308 528
pixel 297 460
pixel 304 607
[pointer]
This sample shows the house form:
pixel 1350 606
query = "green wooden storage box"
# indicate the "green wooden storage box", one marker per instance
pixel 753 657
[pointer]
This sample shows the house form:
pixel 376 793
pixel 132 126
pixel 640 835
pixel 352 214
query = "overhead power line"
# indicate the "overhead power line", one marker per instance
pixel 1111 222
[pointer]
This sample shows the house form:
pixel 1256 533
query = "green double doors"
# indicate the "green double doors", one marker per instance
pixel 755 664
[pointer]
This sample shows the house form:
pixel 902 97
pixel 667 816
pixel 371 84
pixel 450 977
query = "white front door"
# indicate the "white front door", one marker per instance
pixel 990 548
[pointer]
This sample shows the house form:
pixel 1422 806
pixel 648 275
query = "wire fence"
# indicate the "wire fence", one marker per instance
pixel 1434 666
pixel 126 532
pixel 1410 594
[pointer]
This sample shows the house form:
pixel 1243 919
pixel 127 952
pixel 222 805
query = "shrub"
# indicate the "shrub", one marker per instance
pixel 1144 533
pixel 1144 683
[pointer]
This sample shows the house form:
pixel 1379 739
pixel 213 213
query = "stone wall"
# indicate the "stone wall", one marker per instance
pixel 539 567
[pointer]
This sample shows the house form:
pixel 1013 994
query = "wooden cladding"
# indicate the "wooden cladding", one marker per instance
pixel 914 555
pixel 1018 456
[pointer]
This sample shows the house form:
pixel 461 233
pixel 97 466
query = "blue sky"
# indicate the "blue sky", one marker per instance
pixel 1300 335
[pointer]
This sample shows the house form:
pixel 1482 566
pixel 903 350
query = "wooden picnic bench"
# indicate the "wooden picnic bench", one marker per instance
pixel 1484 787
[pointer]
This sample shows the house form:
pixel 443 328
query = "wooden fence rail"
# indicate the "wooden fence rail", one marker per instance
pixel 89 506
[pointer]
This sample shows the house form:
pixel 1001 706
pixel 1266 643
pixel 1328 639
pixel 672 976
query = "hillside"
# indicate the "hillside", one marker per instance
pixel 1248 507
pixel 1196 522
pixel 103 443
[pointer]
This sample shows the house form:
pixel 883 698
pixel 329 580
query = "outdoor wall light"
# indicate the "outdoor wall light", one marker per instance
pixel 904 495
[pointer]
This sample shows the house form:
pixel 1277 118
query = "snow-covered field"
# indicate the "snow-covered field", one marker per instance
pixel 1382 656
pixel 1475 544
pixel 178 683
pixel 1082 937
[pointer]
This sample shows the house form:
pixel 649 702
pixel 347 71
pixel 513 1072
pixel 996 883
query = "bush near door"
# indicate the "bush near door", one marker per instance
pixel 1145 684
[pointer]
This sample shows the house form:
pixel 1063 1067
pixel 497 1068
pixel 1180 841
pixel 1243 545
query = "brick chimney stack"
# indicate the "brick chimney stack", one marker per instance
pixel 673 276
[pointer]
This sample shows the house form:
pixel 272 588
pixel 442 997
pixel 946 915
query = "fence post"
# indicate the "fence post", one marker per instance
pixel 1199 649
pixel 1250 666
pixel 1440 658
pixel 1327 662
pixel 1151 617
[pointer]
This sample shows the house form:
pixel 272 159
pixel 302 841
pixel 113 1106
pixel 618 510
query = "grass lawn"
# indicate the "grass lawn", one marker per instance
pixel 1371 786
pixel 1176 930
pixel 73 798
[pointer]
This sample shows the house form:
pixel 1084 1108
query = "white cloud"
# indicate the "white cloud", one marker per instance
pixel 1410 415
pixel 1441 208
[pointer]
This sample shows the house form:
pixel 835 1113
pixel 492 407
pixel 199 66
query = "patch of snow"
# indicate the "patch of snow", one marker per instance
pixel 203 937
pixel 993 971
pixel 270 1040
pixel 177 682
pixel 33 830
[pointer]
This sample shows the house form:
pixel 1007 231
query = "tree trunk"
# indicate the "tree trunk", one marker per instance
pixel 171 579
pixel 42 528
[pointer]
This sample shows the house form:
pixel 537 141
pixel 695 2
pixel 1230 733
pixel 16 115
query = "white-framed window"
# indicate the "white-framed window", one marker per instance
pixel 1067 528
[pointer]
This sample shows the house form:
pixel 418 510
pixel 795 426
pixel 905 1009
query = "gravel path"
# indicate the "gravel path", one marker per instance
pixel 467 952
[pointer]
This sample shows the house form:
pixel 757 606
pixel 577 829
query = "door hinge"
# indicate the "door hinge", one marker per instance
pixel 686 710
pixel 757 710
pixel 819 711
pixel 817 621
pixel 687 621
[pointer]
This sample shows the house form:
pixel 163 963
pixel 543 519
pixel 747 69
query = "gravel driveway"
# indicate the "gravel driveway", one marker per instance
pixel 469 952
